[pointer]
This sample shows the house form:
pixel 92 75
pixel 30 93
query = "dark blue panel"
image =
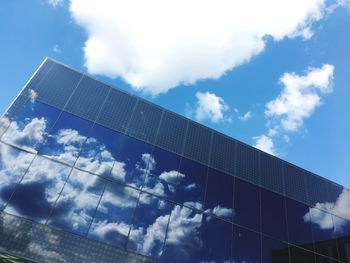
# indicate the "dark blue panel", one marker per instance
pixel 271 173
pixel 13 165
pixel 66 138
pixel 273 215
pixel 29 128
pixel 16 107
pixel 117 110
pixel 273 251
pixel 247 205
pixel 219 194
pixel 298 255
pixel 114 214
pixel 197 143
pixel 191 189
pixel 145 121
pixel 299 226
pixel 88 98
pixel 182 241
pixel 163 176
pixel 132 160
pixel 38 77
pixel 172 131
pixel 342 234
pixel 246 245
pixel 323 259
pixel 247 163
pixel 337 195
pixel 295 182
pixel 222 155
pixel 35 196
pixel 316 188
pixel 323 233
pixel 58 85
pixel 77 203
pixel 148 230
pixel 216 240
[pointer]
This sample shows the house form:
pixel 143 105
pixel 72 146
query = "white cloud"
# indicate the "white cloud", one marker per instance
pixel 159 45
pixel 265 143
pixel 222 211
pixel 4 123
pixel 300 96
pixel 32 95
pixel 172 177
pixel 248 115
pixel 55 3
pixel 56 49
pixel 210 107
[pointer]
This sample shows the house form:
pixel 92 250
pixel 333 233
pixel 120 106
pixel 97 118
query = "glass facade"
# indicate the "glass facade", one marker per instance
pixel 85 180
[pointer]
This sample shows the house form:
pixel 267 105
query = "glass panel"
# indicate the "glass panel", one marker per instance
pixel 77 204
pixel 246 245
pixel 100 151
pixel 322 259
pixel 273 215
pixel 274 251
pixel 114 214
pixel 13 165
pixel 163 176
pixel 133 161
pixel 35 196
pixel 182 241
pixel 148 230
pixel 299 226
pixel 216 238
pixel 342 234
pixel 323 233
pixel 298 255
pixel 247 205
pixel 4 124
pixel 29 128
pixel 66 138
pixel 191 189
pixel 219 195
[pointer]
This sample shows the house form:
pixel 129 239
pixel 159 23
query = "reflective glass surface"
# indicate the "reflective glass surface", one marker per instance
pixel 298 255
pixel 273 215
pixel 29 128
pixel 246 246
pixel 66 138
pixel 273 251
pixel 219 195
pixel 77 203
pixel 299 226
pixel 323 233
pixel 342 235
pixel 191 189
pixel 114 214
pixel 13 165
pixel 182 241
pixel 133 160
pixel 247 205
pixel 37 192
pixel 149 226
pixel 216 240
pixel 163 176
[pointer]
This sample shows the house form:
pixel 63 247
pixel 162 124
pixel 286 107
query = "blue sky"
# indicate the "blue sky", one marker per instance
pixel 278 81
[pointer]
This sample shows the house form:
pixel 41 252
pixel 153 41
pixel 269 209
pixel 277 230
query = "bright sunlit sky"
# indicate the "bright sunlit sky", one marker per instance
pixel 273 74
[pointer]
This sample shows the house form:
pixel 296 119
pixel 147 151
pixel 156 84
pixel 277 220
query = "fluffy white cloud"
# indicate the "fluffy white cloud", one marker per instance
pixel 300 96
pixel 210 107
pixel 4 123
pixel 55 3
pixel 265 143
pixel 222 211
pixel 172 177
pixel 159 45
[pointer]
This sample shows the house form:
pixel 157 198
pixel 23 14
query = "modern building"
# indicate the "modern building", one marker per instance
pixel 89 173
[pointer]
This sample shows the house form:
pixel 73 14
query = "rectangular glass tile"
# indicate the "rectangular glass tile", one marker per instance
pixel 295 182
pixel 316 188
pixel 246 245
pixel 298 255
pixel 88 98
pixel 222 155
pixel 247 163
pixel 273 251
pixel 271 173
pixel 172 132
pixel 197 143
pixel 16 107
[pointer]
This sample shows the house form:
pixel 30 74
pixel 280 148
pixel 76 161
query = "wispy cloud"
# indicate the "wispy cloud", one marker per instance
pixel 55 3
pixel 159 45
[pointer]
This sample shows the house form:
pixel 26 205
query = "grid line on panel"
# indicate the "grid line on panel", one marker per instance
pixel 144 122
pixel 316 189
pixel 87 99
pixel 247 163
pixel 271 173
pixel 222 154
pixel 197 143
pixel 295 186
pixel 58 86
pixel 117 110
pixel 171 132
